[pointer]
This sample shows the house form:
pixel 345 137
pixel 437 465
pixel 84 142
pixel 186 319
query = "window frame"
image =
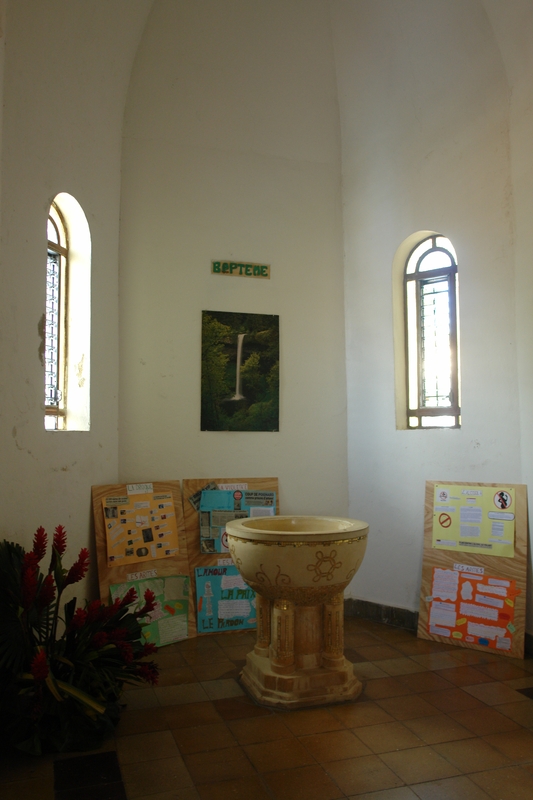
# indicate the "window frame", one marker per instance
pixel 60 248
pixel 421 278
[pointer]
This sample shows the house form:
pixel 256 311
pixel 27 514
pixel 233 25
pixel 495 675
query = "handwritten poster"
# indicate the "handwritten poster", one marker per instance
pixel 218 506
pixel 470 606
pixel 139 526
pixel 167 623
pixel 223 600
pixel 474 519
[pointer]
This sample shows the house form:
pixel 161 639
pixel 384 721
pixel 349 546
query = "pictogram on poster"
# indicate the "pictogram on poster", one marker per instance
pixel 470 606
pixel 140 526
pixel 474 519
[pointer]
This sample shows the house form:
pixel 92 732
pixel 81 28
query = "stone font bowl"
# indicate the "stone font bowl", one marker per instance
pixel 306 560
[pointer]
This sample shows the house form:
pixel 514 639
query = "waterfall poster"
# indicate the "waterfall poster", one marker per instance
pixel 240 371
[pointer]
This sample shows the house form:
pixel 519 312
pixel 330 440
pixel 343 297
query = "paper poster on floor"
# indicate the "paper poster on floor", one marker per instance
pixel 219 506
pixel 224 602
pixel 468 605
pixel 140 526
pixel 168 621
pixel 474 519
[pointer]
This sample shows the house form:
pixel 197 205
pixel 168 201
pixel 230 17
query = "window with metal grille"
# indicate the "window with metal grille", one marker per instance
pixel 431 325
pixel 55 351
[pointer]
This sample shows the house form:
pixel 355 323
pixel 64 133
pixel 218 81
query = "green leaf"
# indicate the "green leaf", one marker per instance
pixel 84 698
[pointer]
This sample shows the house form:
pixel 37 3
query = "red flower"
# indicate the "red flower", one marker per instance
pixel 29 579
pixel 100 639
pixel 148 672
pixel 60 540
pixel 126 651
pixel 78 620
pixel 118 635
pixel 40 541
pixel 48 592
pixel 149 603
pixel 79 569
pixel 94 610
pixel 39 666
pixel 129 598
pixel 149 648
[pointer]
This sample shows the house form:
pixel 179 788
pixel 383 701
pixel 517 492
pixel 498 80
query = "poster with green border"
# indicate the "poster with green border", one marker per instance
pixel 167 623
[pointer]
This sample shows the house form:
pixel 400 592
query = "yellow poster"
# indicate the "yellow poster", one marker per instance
pixel 474 519
pixel 140 526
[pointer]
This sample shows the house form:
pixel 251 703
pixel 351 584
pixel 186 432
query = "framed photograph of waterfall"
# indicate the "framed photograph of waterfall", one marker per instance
pixel 240 371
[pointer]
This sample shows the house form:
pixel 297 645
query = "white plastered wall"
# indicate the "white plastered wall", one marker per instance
pixel 424 101
pixel 67 68
pixel 231 151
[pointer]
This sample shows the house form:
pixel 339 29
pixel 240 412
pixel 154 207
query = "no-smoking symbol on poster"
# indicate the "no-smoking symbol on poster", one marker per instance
pixel 502 499
pixel 445 520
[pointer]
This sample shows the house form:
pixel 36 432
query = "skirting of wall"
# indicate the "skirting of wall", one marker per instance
pixel 398 617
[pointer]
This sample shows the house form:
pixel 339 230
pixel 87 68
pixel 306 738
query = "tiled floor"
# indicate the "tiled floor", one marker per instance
pixel 434 722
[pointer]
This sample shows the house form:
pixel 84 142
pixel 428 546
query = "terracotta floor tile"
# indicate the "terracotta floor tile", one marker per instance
pixel 146 747
pixel 237 652
pixel 425 682
pixel 407 707
pixel 259 729
pixel 519 712
pixel 176 675
pixel 377 652
pixel 141 698
pixel 190 793
pixel 401 666
pixel 167 659
pixel 239 707
pixel 334 746
pixel 354 656
pixel 304 783
pixel 205 655
pixel 366 670
pixel 269 756
pixel 218 765
pixel 216 669
pixel 464 676
pixel 495 694
pixel 388 736
pixel 18 766
pixel 440 728
pixel 186 693
pixel 516 745
pixel 509 783
pixel 520 683
pixel 141 721
pixel 222 688
pixel 355 715
pixel 151 777
pixel 190 715
pixel 365 774
pixel 401 793
pixel 451 700
pixel 472 756
pixel 419 647
pixel 359 639
pixel 386 687
pixel 390 634
pixel 204 738
pixel 467 656
pixel 437 660
pixel 460 788
pixel 502 671
pixel 484 721
pixel 419 765
pixel 28 790
pixel 240 789
pixel 311 720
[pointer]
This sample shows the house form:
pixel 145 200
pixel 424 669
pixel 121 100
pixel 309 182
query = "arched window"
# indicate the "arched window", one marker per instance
pixel 67 327
pixel 431 326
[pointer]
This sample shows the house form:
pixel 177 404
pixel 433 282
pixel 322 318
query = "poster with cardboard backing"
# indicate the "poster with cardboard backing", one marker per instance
pixel 488 592
pixel 175 564
pixel 192 487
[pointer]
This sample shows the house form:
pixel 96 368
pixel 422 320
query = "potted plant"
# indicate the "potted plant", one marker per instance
pixel 62 670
